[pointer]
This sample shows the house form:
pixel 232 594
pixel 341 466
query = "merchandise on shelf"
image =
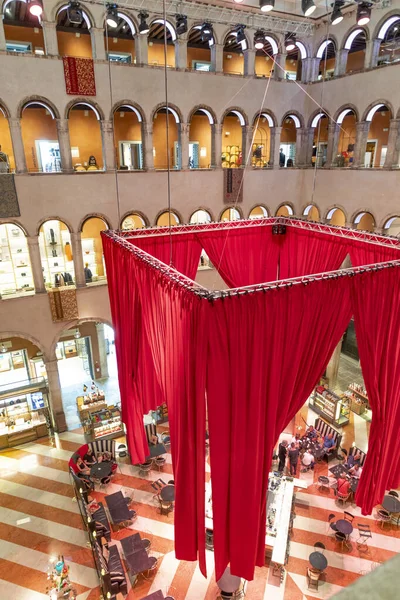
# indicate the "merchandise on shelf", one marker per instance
pixel 15 269
pixel 23 418
pixel 60 585
pixel 106 422
pixel 56 254
pixel 331 407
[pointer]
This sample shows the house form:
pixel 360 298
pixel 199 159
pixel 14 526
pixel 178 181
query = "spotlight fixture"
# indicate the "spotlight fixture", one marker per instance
pixel 267 5
pixel 364 13
pixel 3 349
pixel 181 24
pixel 240 34
pixel 238 1
pixel 290 41
pixel 74 13
pixel 35 8
pixel 336 16
pixel 259 40
pixel 143 26
pixel 206 32
pixel 308 7
pixel 112 15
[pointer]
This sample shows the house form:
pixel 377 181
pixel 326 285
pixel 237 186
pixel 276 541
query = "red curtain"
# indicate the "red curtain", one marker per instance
pixel 266 353
pixel 376 302
pixel 186 251
pixel 306 252
pixel 362 253
pixel 243 256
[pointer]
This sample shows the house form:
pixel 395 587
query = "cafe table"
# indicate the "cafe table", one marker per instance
pixel 117 507
pixel 391 504
pixel 344 526
pixel 318 561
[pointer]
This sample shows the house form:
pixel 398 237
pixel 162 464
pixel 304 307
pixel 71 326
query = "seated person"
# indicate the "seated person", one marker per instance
pixel 356 471
pixel 352 460
pixel 89 458
pixel 329 443
pixel 311 433
pixel 308 460
pixel 296 440
pixel 343 486
pixel 107 457
pixel 153 440
pixel 84 473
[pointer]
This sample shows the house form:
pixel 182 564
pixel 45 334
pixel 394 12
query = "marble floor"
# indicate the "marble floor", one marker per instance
pixel 39 519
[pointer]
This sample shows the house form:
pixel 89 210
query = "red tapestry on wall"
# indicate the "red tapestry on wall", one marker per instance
pixel 233 186
pixel 79 76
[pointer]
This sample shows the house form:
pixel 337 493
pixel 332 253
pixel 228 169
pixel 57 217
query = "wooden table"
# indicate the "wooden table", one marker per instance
pixel 117 507
pixel 132 543
pixel 156 450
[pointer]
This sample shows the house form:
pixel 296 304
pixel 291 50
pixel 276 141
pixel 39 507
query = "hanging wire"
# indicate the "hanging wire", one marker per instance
pixel 167 133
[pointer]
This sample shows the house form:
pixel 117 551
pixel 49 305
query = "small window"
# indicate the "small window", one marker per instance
pixel 121 57
pixel 290 75
pixel 20 47
pixel 201 66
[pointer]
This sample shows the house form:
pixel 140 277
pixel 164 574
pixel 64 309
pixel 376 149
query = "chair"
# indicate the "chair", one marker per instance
pixel 312 579
pixel 145 467
pixel 323 482
pixel 342 539
pixel 160 462
pixel 393 493
pixel 146 544
pixel 383 516
pixel 171 482
pixel 364 533
pixel 209 539
pixel 330 524
pixel 166 438
pixel 319 546
pixel 165 507
pixel 348 516
pixel 342 498
pixel 153 565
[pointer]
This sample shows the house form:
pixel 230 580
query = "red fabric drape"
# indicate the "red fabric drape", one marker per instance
pixel 186 251
pixel 79 76
pixel 306 252
pixel 376 302
pixel 362 253
pixel 243 256
pixel 267 352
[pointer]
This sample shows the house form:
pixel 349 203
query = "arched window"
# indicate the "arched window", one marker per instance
pixel 156 43
pixel 379 117
pixel 294 62
pixel 261 148
pixel 347 137
pixel 311 212
pixel 128 124
pixel 40 138
pixel 201 139
pixel 21 361
pixel 258 212
pixel 165 219
pixel 133 221
pixel 392 226
pixel 287 150
pixel 327 53
pixel 364 221
pixel 336 216
pixel 234 45
pixel 160 139
pixel 356 44
pixel 56 254
pixel 7 162
pixel 285 211
pixel 23 31
pixel 389 34
pixel 264 63
pixel 15 266
pixel 85 137
pixel 230 214
pixel 119 40
pixel 73 33
pixel 320 141
pixel 232 139
pixel 92 250
pixel 200 216
pixel 199 50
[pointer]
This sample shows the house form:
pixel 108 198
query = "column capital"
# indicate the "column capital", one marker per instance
pixel 106 125
pixel 49 24
pixel 33 241
pixel 14 122
pixel 363 125
pixel 62 125
pixel 185 128
pixel 97 30
pixel 218 128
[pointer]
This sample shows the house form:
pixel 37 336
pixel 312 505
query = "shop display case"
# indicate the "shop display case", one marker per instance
pixel 56 253
pixel 332 408
pixel 23 418
pixel 90 403
pixel 360 393
pixel 105 424
pixel 15 268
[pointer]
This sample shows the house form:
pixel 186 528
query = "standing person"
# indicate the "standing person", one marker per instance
pixel 4 163
pixel 282 453
pixel 293 458
pixel 282 158
pixel 88 273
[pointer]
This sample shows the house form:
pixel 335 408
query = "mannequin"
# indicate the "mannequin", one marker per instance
pixel 68 251
pixel 4 162
pixel 88 273
pixel 59 280
pixel 92 164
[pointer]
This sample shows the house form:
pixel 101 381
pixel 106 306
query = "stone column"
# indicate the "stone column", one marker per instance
pixel 216 145
pixel 314 69
pixel 372 53
pixel 305 69
pixel 249 146
pixel 64 144
pixel 249 62
pixel 148 147
pixel 36 264
pixel 300 158
pixel 185 128
pixel 244 144
pixel 279 66
pixel 275 146
pixel 141 49
pixel 308 142
pixel 362 129
pixel 341 62
pixel 272 143
pixel 2 35
pixel 50 37
pixel 180 54
pixel 77 255
pixel 217 58
pixel 55 400
pixel 107 140
pixel 333 366
pixel 393 147
pixel 98 43
pixel 333 143
pixel 18 145
pixel 102 351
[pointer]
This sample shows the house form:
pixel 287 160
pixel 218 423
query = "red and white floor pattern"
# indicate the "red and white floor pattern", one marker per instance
pixel 39 519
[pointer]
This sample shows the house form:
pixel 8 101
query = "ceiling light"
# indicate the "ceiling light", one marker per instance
pixel 267 5
pixel 112 15
pixel 290 41
pixel 77 334
pixel 259 40
pixel 143 26
pixel 308 7
pixel 364 13
pixel 181 24
pixel 336 16
pixel 206 32
pixel 74 13
pixel 238 1
pixel 3 349
pixel 35 8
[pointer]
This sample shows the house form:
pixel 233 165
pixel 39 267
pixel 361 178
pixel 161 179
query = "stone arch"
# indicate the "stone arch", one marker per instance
pixel 386 19
pixel 207 210
pixel 129 19
pixel 304 49
pixel 308 207
pixel 168 24
pixel 54 218
pixel 315 114
pixel 350 33
pixel 16 223
pixel 345 107
pixel 136 109
pixel 4 109
pixel 362 211
pixel 76 323
pixel 171 107
pixel 378 103
pixel 26 336
pixel 134 212
pixel 198 25
pixel 289 204
pixel 244 121
pixel 229 30
pixel 231 207
pixel 267 113
pixel 89 103
pixel 38 100
pixel 331 38
pixel 61 5
pixel 330 210
pixel 203 107
pixel 94 216
pixel 262 205
pixel 293 113
pixel 388 217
